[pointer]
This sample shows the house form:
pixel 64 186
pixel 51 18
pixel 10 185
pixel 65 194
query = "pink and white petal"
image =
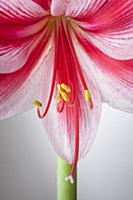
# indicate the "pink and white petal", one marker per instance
pixel 83 8
pixel 44 4
pixel 114 77
pixel 17 22
pixel 75 8
pixel 113 15
pixel 19 89
pixel 19 12
pixel 111 28
pixel 60 126
pixel 15 51
pixel 14 56
pixel 90 118
pixel 14 33
pixel 58 7
pixel 17 41
pixel 117 46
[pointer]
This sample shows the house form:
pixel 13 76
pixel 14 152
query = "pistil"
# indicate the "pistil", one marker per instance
pixel 76 148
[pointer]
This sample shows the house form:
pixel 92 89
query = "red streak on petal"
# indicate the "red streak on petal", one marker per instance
pixel 10 83
pixel 16 33
pixel 43 3
pixel 117 68
pixel 13 15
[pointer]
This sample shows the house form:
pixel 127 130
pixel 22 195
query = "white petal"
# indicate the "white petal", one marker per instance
pixel 111 28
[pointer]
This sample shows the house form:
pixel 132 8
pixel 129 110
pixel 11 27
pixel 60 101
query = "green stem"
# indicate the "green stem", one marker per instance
pixel 65 190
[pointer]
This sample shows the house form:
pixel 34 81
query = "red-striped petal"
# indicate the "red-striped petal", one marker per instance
pixel 45 4
pixel 18 42
pixel 75 8
pixel 21 25
pixel 115 77
pixel 15 55
pixel 111 28
pixel 58 7
pixel 17 88
pixel 14 12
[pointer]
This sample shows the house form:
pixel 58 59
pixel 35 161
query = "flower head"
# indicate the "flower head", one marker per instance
pixel 67 57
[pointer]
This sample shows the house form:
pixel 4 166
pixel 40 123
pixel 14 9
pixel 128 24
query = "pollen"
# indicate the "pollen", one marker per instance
pixel 59 87
pixel 64 96
pixel 66 88
pixel 88 99
pixel 63 91
pixel 37 104
pixel 87 95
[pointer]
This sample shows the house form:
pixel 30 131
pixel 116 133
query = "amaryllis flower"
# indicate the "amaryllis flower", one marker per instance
pixel 67 57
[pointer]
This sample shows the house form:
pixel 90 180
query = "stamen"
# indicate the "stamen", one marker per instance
pixel 59 87
pixel 87 95
pixel 64 96
pixel 37 104
pixel 88 98
pixel 65 87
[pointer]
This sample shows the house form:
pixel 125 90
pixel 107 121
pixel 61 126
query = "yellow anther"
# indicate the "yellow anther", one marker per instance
pixel 65 87
pixel 58 97
pixel 64 96
pixel 59 87
pixel 37 103
pixel 87 95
